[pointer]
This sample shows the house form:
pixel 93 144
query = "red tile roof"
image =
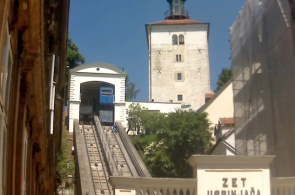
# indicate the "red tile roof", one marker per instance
pixel 183 21
pixel 227 121
pixel 209 95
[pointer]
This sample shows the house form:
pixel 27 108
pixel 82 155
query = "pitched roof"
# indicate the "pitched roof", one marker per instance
pixel 227 121
pixel 209 95
pixel 183 21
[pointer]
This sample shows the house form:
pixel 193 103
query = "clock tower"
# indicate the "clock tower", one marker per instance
pixel 178 58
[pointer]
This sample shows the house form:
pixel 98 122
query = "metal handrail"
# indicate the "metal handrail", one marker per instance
pixel 106 147
pixel 132 155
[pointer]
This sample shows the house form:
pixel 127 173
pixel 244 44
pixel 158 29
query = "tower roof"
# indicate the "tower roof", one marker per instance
pixel 175 22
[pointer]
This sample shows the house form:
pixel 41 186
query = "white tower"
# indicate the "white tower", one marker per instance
pixel 179 59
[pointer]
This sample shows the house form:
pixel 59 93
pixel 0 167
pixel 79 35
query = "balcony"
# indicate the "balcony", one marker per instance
pixel 170 16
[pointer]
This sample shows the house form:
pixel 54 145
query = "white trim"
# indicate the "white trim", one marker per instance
pixel 25 157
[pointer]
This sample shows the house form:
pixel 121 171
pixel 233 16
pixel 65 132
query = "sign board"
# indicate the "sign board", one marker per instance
pixel 231 175
pixel 235 182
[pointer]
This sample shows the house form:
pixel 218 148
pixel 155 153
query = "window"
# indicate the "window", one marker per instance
pixel 176 8
pixel 181 40
pixel 174 40
pixel 5 79
pixel 179 98
pixel 178 58
pixel 179 76
pixel 6 74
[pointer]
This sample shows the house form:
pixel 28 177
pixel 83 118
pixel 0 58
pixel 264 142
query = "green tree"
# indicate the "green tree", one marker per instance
pixel 135 113
pixel 130 91
pixel 74 57
pixel 223 77
pixel 172 138
pixel 139 118
pixel 185 134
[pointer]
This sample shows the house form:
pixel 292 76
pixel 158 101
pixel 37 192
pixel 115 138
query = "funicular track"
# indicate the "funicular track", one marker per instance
pixel 109 154
pixel 121 155
pixel 97 165
pixel 121 165
pixel 114 152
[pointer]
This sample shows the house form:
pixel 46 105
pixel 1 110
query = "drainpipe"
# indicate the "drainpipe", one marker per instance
pixel 52 94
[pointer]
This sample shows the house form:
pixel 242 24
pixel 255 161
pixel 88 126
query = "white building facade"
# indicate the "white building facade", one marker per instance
pixel 178 60
pixel 91 77
pixel 84 91
pixel 221 105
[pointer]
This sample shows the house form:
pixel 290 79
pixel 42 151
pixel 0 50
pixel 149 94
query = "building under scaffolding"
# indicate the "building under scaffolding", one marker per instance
pixel 262 43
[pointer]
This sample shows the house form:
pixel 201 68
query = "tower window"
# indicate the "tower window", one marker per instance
pixel 174 40
pixel 181 40
pixel 179 98
pixel 178 58
pixel 179 76
pixel 176 9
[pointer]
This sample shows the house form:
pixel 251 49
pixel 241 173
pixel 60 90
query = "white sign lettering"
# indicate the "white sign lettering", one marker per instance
pixel 233 183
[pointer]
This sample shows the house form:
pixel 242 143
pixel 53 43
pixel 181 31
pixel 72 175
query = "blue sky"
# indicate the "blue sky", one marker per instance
pixel 113 31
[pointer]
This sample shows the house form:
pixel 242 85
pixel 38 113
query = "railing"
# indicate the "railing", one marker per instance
pixel 154 186
pixel 105 143
pixel 169 15
pixel 169 186
pixel 139 165
pixel 283 186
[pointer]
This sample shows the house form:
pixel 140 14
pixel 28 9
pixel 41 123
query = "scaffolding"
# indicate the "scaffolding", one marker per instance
pixel 262 44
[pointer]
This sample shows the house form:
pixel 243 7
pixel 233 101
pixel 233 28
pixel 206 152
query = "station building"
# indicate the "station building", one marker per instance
pixel 88 98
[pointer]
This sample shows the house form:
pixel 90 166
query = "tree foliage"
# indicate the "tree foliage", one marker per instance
pixel 130 91
pixel 223 77
pixel 74 57
pixel 172 138
pixel 139 117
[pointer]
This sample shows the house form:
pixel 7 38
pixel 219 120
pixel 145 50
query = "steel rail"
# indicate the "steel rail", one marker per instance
pixel 97 175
